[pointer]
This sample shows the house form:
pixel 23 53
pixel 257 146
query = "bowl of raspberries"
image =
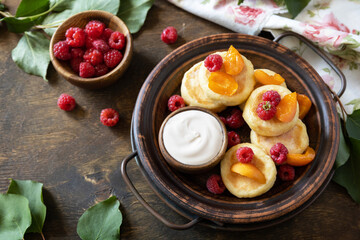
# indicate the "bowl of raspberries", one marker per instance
pixel 91 49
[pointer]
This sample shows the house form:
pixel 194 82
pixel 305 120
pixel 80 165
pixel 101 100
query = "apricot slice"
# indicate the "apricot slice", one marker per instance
pixel 264 78
pixel 296 159
pixel 233 62
pixel 287 107
pixel 249 170
pixel 222 83
pixel 304 105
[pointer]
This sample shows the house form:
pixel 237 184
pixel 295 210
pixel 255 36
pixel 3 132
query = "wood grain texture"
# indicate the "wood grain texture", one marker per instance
pixel 78 159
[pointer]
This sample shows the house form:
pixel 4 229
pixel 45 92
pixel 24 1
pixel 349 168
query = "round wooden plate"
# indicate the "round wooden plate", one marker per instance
pixel 189 192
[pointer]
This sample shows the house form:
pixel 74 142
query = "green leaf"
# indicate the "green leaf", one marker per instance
pixel 279 2
pixel 32 54
pixel 353 125
pixel 33 192
pixel 348 175
pixel 311 13
pixel 133 13
pixel 61 5
pixel 2 7
pixel 326 70
pixel 101 221
pixel 31 7
pixel 353 66
pixel 15 216
pixel 296 6
pixel 72 7
pixel 343 153
pixel 355 103
pixel 240 2
pixel 21 24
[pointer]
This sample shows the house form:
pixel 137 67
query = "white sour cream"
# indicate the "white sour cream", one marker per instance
pixel 193 137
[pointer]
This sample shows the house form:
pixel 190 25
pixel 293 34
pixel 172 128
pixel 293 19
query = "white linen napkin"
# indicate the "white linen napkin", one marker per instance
pixel 332 25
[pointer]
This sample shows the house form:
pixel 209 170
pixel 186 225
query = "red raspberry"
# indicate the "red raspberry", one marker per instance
pixel 93 56
pixel 233 139
pixel 94 28
pixel 169 35
pixel 88 41
pixel 278 153
pixel 86 70
pixel 62 50
pixel 286 172
pixel 213 62
pixel 245 154
pixel 112 58
pixel 100 45
pixel 175 102
pixel 101 69
pixel 109 117
pixel 215 184
pixel 235 119
pixel 66 102
pixel 223 119
pixel 75 64
pixel 77 53
pixel 272 96
pixel 117 40
pixel 75 37
pixel 106 34
pixel 266 110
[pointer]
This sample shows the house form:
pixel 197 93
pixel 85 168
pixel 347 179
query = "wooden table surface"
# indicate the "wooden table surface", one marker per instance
pixel 78 159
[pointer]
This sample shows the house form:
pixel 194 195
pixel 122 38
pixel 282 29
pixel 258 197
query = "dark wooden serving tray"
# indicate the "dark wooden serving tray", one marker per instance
pixel 187 193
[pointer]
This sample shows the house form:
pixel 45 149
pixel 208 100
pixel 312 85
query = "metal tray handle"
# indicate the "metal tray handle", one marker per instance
pixel 145 204
pixel 321 54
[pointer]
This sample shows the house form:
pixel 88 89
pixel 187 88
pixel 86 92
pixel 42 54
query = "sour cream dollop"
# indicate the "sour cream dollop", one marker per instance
pixel 193 137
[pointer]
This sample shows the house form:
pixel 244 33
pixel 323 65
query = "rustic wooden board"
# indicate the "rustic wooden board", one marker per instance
pixel 78 159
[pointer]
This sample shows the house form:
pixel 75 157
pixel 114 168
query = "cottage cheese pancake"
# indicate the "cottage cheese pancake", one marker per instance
pixel 272 127
pixel 245 187
pixel 296 140
pixel 193 93
pixel 245 81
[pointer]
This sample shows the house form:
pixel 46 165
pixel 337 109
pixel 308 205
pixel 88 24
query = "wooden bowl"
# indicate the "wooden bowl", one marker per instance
pixel 187 194
pixel 80 20
pixel 186 168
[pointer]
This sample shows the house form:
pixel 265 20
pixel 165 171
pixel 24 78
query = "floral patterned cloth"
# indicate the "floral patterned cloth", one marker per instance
pixel 331 24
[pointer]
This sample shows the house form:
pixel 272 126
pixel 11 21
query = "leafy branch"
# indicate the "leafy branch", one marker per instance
pixel 22 210
pixel 294 6
pixel 101 221
pixel 33 18
pixel 347 163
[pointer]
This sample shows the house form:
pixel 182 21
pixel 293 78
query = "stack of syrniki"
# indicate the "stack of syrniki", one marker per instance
pixel 234 82
pixel 266 133
pixel 196 91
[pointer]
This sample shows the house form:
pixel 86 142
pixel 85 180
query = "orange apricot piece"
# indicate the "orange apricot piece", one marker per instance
pixel 287 107
pixel 278 79
pixel 296 159
pixel 264 78
pixel 249 170
pixel 233 62
pixel 304 105
pixel 222 83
